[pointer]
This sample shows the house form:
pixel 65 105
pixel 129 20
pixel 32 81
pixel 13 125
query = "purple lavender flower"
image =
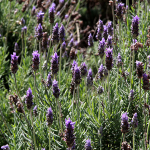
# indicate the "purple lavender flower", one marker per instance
pixel 66 16
pixel 109 41
pixel 61 1
pixel 105 32
pixel 5 147
pixel 70 44
pixel 124 123
pixel 105 72
pixel 135 27
pixel 49 81
pixel 62 33
pixel 101 48
pixel 73 66
pixel 134 121
pixel 101 72
pixel 35 111
pixel 89 78
pixel 99 34
pixel 145 82
pixel 22 21
pixel 119 60
pixel 49 116
pixel 100 26
pixel 56 90
pixel 90 40
pixel 77 75
pixel 110 28
pixel 40 16
pixel 33 11
pixel 131 95
pixel 109 58
pixel 36 60
pixel 16 48
pixel 39 32
pixel 83 69
pixel 76 44
pixel 55 34
pixel 100 90
pixel 29 98
pixel 54 64
pixel 88 145
pixel 119 10
pixel 69 133
pixel 52 13
pixel 14 63
pixel 63 46
pixel 139 69
pixel 23 31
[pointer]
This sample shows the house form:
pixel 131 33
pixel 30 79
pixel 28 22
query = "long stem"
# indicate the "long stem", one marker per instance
pixel 15 83
pixel 49 138
pixel 133 139
pixel 145 120
pixel 130 69
pixel 33 129
pixel 109 90
pixel 78 113
pixel 35 86
pixel 140 92
pixel 60 66
pixel 57 112
pixel 117 81
pixel 73 104
pixel 40 57
pixel 99 109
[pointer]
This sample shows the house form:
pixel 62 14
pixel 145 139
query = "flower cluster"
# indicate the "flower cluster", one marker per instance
pixel 56 90
pixel 54 64
pixel 89 78
pixel 90 40
pixel 119 60
pixel 134 121
pixel 29 99
pixel 69 133
pixel 135 27
pixel 55 34
pixel 49 116
pixel 124 123
pixel 88 145
pixel 36 60
pixel 14 63
pixel 109 58
pixel 139 69
pixel 83 69
pixel 101 48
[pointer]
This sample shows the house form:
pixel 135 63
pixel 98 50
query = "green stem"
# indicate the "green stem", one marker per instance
pixel 113 18
pixel 16 83
pixel 133 139
pixel 130 69
pixel 109 90
pixel 133 67
pixel 78 113
pixel 40 57
pixel 57 113
pixel 35 86
pixel 49 138
pixel 73 104
pixel 99 109
pixel 33 129
pixel 140 92
pixel 117 81
pixel 60 66
pixel 145 120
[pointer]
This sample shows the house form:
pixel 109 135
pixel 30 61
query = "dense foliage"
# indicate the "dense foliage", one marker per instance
pixel 63 86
